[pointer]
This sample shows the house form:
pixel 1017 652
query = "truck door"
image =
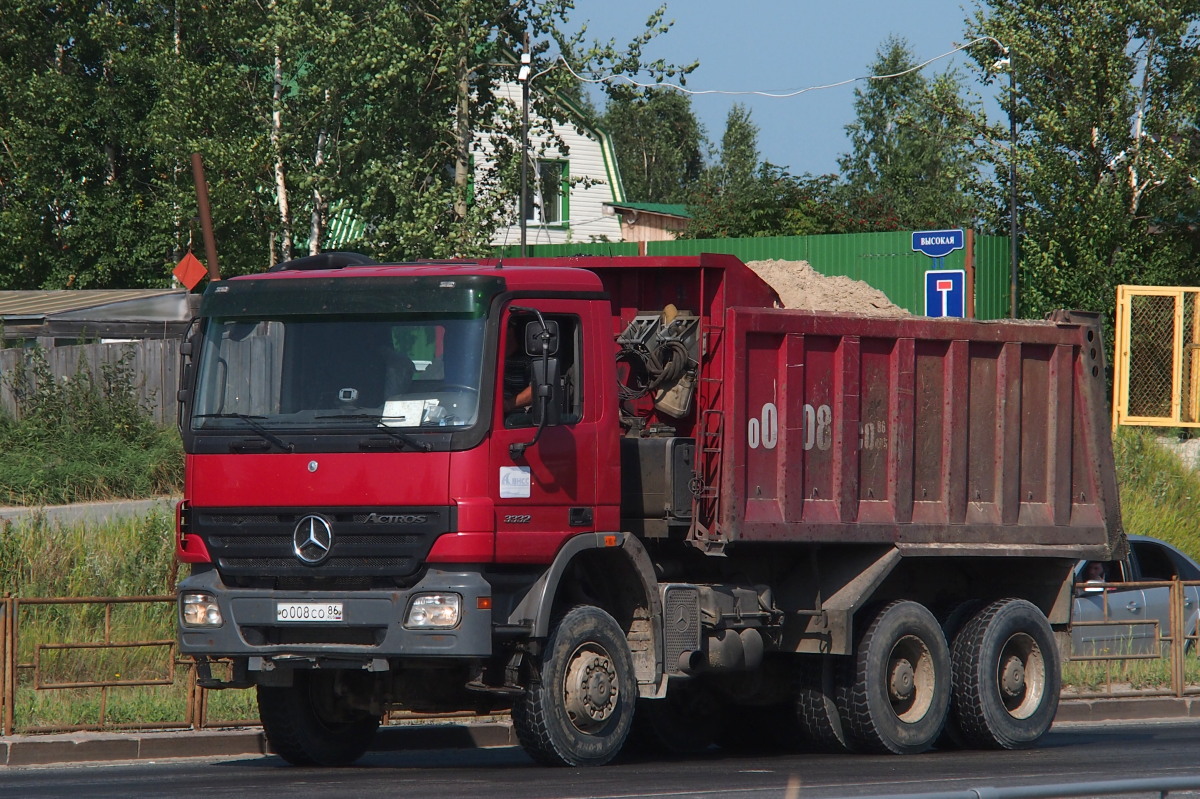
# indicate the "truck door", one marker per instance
pixel 547 492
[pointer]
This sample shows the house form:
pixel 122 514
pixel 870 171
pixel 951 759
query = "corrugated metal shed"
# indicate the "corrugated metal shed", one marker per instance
pixel 132 313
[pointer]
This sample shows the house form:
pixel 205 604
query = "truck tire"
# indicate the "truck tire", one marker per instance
pixel 1006 677
pixel 816 705
pixel 895 695
pixel 579 710
pixel 308 725
pixel 952 625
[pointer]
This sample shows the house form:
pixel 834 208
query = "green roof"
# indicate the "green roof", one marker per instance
pixel 668 209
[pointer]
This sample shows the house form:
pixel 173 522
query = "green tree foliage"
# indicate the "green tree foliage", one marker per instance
pixel 658 142
pixel 912 155
pixel 741 196
pixel 305 111
pixel 1107 95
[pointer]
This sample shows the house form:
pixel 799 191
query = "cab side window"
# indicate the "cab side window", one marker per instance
pixel 517 370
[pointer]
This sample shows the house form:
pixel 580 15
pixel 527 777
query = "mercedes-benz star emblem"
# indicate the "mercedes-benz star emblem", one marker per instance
pixel 312 540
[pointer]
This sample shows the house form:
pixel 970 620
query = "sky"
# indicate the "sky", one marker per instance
pixel 782 46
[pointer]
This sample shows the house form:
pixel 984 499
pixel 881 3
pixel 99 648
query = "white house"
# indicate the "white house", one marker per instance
pixel 570 193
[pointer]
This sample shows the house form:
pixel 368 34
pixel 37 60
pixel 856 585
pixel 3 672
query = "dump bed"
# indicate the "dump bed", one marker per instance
pixel 944 437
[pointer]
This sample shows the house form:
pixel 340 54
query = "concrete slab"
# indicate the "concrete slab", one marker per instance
pixel 203 743
pixel 31 750
pixel 37 752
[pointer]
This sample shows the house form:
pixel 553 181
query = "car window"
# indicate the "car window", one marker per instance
pixel 1154 561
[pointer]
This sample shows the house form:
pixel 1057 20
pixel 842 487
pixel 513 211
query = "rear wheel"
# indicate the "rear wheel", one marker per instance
pixel 309 724
pixel 896 696
pixel 579 712
pixel 1006 677
pixel 952 625
pixel 816 705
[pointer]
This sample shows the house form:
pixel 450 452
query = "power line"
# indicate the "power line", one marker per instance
pixel 774 95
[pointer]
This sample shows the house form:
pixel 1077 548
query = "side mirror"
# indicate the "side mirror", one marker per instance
pixel 541 337
pixel 547 393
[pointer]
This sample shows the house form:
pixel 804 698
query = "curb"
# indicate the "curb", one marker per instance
pixel 91 747
pixel 1156 708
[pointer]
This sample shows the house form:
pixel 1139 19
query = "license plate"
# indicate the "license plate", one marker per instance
pixel 308 611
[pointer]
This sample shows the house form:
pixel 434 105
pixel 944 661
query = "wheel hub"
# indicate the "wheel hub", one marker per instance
pixel 1012 678
pixel 591 689
pixel 901 681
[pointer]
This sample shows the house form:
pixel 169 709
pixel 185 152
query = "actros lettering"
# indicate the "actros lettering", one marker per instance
pixel 385 518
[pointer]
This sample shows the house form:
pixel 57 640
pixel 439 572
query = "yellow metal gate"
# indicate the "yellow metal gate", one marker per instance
pixel 1156 367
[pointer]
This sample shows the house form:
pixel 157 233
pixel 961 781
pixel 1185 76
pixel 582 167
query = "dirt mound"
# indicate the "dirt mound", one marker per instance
pixel 800 286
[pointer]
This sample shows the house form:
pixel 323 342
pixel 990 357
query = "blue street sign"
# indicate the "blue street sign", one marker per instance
pixel 937 243
pixel 946 293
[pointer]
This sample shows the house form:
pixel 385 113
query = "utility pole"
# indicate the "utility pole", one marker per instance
pixel 523 77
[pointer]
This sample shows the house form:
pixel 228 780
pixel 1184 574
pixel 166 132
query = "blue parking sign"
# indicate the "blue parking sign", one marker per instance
pixel 946 293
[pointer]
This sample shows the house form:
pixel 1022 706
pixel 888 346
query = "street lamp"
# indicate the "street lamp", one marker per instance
pixel 523 78
pixel 1007 62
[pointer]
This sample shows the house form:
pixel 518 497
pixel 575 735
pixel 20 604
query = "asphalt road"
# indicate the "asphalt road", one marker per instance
pixel 1073 754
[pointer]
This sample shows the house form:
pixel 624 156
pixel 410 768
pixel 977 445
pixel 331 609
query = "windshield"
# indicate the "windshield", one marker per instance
pixel 288 373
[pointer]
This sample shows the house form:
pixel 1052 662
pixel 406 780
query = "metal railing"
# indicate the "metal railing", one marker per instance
pixel 1162 786
pixel 1172 645
pixel 34 663
pixel 81 652
pixel 98 666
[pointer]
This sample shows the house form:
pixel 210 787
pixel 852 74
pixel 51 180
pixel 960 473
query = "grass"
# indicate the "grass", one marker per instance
pixel 1159 495
pixel 1118 676
pixel 82 439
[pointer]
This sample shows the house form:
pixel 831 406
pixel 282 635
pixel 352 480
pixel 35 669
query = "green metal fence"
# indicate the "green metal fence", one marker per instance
pixel 883 260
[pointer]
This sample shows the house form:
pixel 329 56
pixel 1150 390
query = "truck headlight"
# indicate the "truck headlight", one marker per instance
pixel 434 611
pixel 200 610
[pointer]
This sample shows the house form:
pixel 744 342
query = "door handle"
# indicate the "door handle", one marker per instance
pixel 1133 607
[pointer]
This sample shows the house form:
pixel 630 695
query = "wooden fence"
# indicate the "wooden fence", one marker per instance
pixel 154 364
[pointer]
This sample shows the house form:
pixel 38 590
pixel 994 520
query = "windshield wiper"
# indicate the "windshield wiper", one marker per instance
pixel 252 423
pixel 395 435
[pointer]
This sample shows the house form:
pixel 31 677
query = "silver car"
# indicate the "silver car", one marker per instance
pixel 1109 619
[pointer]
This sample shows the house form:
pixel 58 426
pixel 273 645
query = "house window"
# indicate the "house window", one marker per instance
pixel 547 202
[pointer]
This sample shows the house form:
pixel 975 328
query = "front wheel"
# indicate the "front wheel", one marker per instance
pixel 1006 677
pixel 897 692
pixel 579 711
pixel 309 724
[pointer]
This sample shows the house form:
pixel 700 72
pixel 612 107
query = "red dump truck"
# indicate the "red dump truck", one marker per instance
pixel 615 494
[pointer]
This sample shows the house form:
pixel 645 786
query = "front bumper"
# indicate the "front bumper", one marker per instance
pixel 372 627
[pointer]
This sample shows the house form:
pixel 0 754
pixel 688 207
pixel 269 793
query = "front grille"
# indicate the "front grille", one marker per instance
pixel 681 625
pixel 250 548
